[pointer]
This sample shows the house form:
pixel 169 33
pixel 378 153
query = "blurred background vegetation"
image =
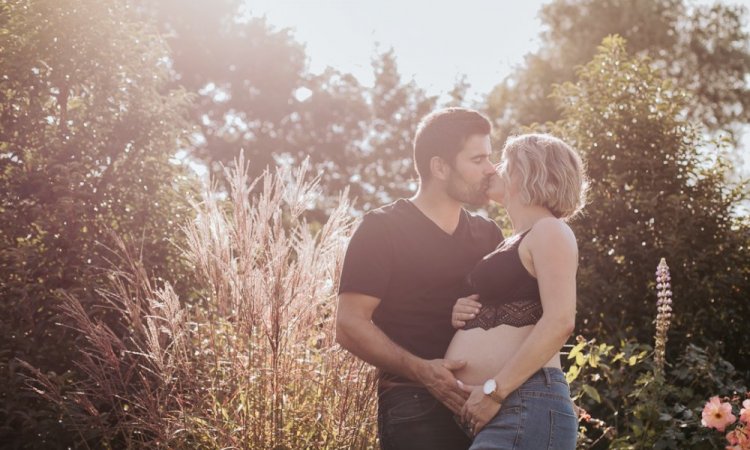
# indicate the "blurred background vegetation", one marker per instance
pixel 104 103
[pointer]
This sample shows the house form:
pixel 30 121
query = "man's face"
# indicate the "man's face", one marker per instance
pixel 471 171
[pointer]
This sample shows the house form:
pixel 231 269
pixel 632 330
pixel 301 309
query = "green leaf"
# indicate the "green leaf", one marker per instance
pixel 576 350
pixel 592 392
pixel 572 373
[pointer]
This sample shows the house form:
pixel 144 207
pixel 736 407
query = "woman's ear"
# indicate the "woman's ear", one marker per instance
pixel 440 168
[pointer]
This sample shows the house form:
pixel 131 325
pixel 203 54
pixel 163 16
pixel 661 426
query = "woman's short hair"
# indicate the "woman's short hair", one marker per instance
pixel 550 173
pixel 443 133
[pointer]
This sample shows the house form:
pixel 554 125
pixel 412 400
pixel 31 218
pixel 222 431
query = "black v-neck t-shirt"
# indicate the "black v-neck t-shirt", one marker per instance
pixel 417 270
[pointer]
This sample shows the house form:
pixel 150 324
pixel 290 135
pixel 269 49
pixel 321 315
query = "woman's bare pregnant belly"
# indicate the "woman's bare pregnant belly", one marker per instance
pixel 487 351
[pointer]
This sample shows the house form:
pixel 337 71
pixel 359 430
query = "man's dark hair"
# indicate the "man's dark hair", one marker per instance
pixel 443 133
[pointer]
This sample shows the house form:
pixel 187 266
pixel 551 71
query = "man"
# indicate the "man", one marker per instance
pixel 405 267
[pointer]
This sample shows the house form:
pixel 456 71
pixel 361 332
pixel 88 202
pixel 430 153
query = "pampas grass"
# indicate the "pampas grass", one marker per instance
pixel 253 362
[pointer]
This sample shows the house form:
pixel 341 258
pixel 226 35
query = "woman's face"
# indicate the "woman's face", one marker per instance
pixel 497 189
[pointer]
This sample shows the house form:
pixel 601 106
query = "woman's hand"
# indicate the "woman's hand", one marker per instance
pixel 479 409
pixel 466 308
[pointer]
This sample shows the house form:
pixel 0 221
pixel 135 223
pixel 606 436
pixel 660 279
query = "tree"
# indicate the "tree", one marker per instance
pixel 87 133
pixel 396 109
pixel 705 49
pixel 253 92
pixel 358 137
pixel 243 73
pixel 653 195
pixel 328 126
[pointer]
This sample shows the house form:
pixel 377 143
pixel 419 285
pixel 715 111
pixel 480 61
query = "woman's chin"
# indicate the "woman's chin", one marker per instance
pixel 495 197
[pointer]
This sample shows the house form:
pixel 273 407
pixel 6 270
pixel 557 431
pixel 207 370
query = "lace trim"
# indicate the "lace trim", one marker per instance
pixel 517 314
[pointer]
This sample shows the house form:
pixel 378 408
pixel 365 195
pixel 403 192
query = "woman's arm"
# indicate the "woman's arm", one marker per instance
pixel 554 255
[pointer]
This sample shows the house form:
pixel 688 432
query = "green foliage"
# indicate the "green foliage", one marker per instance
pixel 654 193
pixel 86 137
pixel 601 380
pixel 629 405
pixel 95 103
pixel 705 48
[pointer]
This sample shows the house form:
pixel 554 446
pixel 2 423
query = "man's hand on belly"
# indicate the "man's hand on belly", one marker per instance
pixel 437 376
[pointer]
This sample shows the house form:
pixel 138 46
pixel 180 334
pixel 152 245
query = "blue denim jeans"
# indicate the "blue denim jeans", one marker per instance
pixel 538 415
pixel 409 417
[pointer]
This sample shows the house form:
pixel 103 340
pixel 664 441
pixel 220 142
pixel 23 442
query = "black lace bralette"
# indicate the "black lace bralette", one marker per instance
pixel 507 291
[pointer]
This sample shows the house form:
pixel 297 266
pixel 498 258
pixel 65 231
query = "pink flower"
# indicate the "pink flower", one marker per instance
pixel 745 412
pixel 717 414
pixel 738 439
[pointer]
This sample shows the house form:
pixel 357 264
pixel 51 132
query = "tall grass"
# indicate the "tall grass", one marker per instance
pixel 253 363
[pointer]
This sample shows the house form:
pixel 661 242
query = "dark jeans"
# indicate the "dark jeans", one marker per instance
pixel 409 417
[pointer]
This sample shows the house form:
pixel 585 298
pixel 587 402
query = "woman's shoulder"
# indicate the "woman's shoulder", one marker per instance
pixel 551 231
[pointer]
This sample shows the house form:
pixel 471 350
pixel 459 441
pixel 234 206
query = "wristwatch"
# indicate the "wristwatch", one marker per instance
pixel 490 390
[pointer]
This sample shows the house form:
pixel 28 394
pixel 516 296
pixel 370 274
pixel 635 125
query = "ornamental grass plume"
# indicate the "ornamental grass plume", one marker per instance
pixel 664 314
pixel 252 363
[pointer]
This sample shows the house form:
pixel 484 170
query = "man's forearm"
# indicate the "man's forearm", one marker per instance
pixel 368 342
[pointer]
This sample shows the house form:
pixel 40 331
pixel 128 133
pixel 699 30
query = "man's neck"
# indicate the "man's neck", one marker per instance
pixel 437 206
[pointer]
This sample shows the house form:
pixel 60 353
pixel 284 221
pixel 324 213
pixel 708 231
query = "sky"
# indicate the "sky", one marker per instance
pixel 435 42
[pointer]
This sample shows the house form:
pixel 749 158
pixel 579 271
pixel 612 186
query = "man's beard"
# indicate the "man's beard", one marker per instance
pixel 459 190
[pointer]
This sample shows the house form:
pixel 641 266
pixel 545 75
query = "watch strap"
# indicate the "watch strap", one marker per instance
pixel 494 395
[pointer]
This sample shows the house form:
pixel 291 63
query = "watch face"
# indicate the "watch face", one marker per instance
pixel 489 386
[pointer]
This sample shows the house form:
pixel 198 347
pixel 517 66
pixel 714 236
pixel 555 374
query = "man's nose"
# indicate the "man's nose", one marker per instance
pixel 489 169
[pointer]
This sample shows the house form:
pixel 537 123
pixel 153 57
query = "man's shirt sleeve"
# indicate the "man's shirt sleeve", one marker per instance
pixel 367 264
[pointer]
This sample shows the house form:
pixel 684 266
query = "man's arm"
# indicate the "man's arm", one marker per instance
pixel 356 333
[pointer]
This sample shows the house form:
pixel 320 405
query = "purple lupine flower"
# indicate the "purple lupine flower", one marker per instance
pixel 663 314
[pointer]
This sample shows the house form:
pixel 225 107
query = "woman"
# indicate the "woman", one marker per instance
pixel 511 341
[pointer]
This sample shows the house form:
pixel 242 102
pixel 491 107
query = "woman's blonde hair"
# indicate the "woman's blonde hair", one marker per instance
pixel 550 172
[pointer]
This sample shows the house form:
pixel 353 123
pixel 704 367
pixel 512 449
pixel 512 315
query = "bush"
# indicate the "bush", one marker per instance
pixel 657 190
pixel 87 133
pixel 636 401
pixel 628 406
